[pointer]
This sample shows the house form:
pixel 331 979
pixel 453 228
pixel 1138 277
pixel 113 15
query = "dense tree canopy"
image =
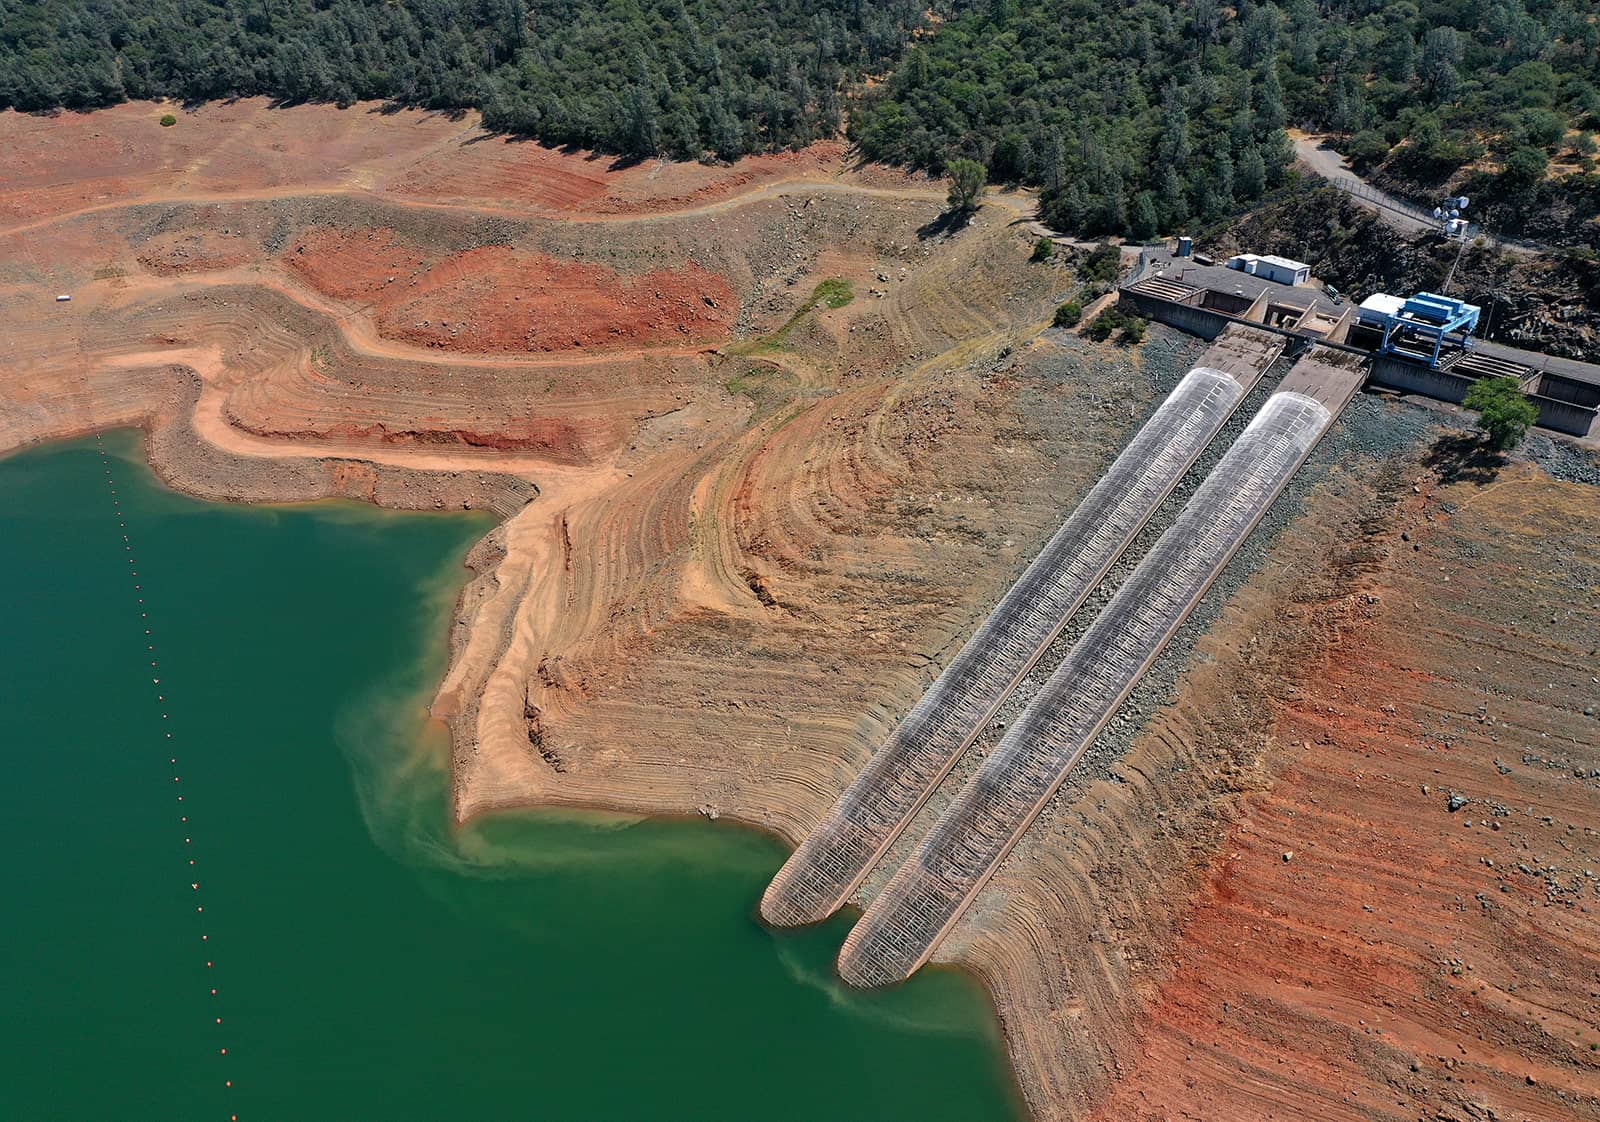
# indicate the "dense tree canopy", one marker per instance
pixel 1133 117
pixel 634 76
pixel 1139 115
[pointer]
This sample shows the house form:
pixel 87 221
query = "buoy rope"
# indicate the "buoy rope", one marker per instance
pixel 186 828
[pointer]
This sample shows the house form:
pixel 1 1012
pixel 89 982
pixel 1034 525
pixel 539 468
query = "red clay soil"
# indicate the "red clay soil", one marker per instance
pixel 1362 951
pixel 354 262
pixel 559 182
pixel 65 161
pixel 497 299
pixel 55 164
pixel 519 301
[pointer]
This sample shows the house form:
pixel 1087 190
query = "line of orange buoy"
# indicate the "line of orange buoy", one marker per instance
pixel 172 759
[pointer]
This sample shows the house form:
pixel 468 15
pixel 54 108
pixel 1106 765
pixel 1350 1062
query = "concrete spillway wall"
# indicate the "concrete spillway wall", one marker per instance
pixel 1563 416
pixel 1190 317
pixel 842 850
pixel 933 887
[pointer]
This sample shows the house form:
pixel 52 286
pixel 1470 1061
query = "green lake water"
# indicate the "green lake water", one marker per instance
pixel 368 964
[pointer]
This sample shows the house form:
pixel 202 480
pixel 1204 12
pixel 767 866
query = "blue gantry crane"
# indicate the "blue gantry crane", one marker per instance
pixel 1419 326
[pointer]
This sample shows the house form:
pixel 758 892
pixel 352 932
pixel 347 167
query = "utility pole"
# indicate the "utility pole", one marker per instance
pixel 1444 289
pixel 1449 215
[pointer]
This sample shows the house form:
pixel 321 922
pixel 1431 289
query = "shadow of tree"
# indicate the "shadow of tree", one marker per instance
pixel 1463 458
pixel 945 224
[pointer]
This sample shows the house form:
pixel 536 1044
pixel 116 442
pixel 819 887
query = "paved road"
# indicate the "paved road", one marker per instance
pixel 1391 209
pixel 1333 167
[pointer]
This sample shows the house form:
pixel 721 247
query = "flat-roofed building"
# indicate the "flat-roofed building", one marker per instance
pixel 1271 267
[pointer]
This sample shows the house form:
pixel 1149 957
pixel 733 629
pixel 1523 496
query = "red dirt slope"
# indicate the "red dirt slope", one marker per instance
pixel 497 299
pixel 1360 950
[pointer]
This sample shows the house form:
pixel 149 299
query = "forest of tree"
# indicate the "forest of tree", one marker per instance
pixel 640 77
pixel 1139 115
pixel 1133 116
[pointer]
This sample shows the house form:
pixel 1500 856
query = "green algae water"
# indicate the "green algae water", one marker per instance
pixel 369 965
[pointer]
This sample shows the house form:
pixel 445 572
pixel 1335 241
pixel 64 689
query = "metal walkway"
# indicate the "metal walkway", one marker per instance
pixel 929 892
pixel 836 856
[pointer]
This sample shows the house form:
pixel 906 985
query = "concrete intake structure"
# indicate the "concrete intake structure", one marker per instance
pixel 839 853
pixel 938 881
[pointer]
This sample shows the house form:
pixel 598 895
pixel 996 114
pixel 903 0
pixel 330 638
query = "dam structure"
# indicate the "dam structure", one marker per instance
pixel 844 847
pixel 930 891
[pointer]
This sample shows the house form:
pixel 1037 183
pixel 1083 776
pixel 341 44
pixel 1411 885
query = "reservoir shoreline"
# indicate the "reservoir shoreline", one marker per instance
pixel 620 857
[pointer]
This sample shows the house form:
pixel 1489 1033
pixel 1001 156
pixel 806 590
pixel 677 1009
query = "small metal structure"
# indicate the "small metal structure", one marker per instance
pixel 1420 325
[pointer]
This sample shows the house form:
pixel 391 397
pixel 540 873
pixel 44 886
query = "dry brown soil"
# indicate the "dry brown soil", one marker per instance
pixel 727 560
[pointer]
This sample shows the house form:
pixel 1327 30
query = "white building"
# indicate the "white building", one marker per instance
pixel 1270 267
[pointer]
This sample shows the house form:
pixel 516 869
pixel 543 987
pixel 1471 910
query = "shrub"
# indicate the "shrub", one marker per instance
pixel 168 120
pixel 1525 166
pixel 1367 147
pixel 1504 413
pixel 1043 250
pixel 1102 327
pixel 1068 314
pixel 1102 265
pixel 1111 321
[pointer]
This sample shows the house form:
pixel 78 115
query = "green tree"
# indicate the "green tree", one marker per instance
pixel 1504 412
pixel 1043 250
pixel 967 179
pixel 1252 174
pixel 1441 50
pixel 1142 218
pixel 1068 314
pixel 1525 167
pixel 1271 114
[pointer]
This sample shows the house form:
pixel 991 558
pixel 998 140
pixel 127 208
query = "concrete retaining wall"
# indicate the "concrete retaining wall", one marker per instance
pixel 1562 388
pixel 1196 321
pixel 1563 416
pixel 1411 377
